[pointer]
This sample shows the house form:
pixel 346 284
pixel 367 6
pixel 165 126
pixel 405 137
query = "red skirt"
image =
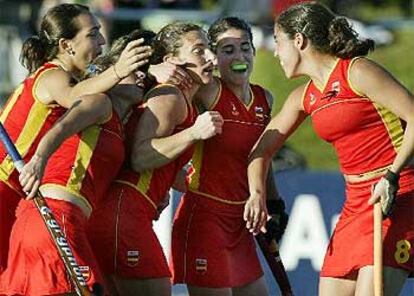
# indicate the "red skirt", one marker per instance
pixel 123 238
pixel 351 245
pixel 211 246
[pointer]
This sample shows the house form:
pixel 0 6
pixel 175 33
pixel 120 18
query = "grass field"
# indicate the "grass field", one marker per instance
pixel 397 58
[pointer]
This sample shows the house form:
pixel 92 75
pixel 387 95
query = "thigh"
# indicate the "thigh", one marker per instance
pixel 336 286
pixel 393 281
pixel 147 287
pixel 258 287
pixel 202 291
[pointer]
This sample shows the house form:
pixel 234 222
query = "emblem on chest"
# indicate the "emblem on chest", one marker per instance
pixel 234 110
pixel 259 112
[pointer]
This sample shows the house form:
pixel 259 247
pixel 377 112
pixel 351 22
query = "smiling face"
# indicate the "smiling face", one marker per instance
pixel 235 54
pixel 88 42
pixel 287 53
pixel 197 56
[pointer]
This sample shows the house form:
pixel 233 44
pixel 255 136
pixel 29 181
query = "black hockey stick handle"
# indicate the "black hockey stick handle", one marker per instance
pixel 272 256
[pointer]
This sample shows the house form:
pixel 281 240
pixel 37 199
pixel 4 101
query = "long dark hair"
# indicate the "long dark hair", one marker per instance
pixel 111 57
pixel 169 40
pixel 223 24
pixel 327 32
pixel 59 22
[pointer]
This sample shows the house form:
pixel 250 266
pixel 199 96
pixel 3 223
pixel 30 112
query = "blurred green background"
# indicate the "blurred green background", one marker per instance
pixel 398 58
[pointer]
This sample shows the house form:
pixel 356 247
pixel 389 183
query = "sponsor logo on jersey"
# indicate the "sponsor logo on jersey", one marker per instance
pixel 234 110
pixel 312 99
pixel 259 113
pixel 132 257
pixel 86 272
pixel 201 265
pixel 335 88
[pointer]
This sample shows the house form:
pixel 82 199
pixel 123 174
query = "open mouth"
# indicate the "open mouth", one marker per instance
pixel 239 67
pixel 209 68
pixel 97 54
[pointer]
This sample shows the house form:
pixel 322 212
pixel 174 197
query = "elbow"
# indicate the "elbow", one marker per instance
pixel 138 164
pixel 136 161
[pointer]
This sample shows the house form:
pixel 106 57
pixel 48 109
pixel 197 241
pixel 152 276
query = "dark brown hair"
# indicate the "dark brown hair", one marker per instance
pixel 111 57
pixel 169 40
pixel 59 22
pixel 223 24
pixel 327 32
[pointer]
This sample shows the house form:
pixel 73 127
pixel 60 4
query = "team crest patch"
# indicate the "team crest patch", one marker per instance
pixel 132 257
pixel 201 266
pixel 336 86
pixel 259 113
pixel 86 272
pixel 234 110
pixel 312 99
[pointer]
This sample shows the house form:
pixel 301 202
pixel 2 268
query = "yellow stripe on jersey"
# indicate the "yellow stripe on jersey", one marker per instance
pixel 34 123
pixel 222 200
pixel 87 144
pixel 144 181
pixel 142 193
pixel 6 167
pixel 196 161
pixel 392 124
pixel 10 103
pixel 252 98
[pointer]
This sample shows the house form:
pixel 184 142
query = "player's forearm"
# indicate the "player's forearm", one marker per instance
pixel 271 188
pixel 157 152
pixel 97 84
pixel 257 177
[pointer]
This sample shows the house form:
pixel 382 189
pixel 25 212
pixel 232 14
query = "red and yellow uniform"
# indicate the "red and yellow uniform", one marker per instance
pixel 211 246
pixel 26 120
pixel 84 165
pixel 366 137
pixel 121 230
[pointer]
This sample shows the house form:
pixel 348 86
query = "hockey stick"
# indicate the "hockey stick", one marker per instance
pixel 378 274
pixel 272 256
pixel 52 225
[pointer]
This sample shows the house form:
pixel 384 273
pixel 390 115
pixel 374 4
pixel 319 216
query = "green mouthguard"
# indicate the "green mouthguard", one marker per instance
pixel 239 67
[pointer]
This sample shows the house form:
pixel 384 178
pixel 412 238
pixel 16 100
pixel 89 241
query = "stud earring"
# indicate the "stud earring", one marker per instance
pixel 71 52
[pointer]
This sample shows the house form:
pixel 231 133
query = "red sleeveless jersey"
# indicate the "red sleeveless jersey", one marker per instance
pixel 86 163
pixel 26 120
pixel 154 184
pixel 219 164
pixel 365 135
